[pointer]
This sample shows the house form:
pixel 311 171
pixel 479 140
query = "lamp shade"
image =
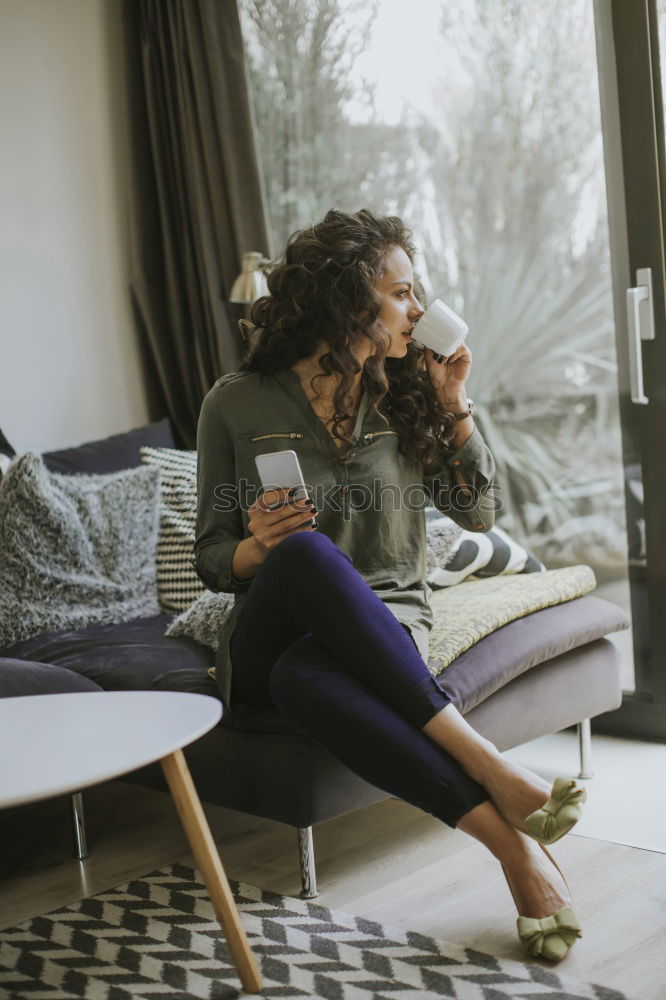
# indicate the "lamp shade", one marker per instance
pixel 250 284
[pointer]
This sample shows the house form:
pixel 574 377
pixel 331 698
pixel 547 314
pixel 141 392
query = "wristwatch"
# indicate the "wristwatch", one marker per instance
pixel 469 412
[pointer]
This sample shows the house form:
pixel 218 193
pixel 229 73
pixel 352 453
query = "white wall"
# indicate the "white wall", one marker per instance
pixel 69 369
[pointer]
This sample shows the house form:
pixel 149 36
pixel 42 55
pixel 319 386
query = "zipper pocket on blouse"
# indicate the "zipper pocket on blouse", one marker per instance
pixel 287 434
pixel 373 434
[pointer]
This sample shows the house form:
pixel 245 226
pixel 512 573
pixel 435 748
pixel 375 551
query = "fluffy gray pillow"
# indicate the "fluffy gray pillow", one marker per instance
pixel 203 621
pixel 75 550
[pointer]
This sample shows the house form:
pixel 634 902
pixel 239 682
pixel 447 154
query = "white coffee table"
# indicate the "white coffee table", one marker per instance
pixel 56 744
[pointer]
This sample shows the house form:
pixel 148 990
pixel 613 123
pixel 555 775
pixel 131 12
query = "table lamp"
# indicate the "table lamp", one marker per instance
pixel 250 284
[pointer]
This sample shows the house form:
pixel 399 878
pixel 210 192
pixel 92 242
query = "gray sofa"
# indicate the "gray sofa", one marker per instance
pixel 544 672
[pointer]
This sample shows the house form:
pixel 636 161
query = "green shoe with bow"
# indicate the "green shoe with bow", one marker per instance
pixel 560 813
pixel 550 937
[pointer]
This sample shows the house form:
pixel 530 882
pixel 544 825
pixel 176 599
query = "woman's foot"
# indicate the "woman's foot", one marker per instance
pixel 547 924
pixel 521 797
pixel 516 792
pixel 537 886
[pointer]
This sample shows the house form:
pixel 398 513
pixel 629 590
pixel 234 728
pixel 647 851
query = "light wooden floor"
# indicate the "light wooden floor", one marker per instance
pixel 389 862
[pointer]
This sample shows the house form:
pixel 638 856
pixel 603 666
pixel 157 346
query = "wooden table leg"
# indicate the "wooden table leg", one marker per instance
pixel 208 862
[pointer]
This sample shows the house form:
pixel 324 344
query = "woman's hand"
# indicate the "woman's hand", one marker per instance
pixel 268 527
pixel 449 375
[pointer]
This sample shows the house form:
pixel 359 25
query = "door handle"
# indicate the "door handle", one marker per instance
pixel 640 327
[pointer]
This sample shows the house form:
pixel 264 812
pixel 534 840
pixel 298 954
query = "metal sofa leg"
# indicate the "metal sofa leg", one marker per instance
pixel 585 747
pixel 79 827
pixel 307 861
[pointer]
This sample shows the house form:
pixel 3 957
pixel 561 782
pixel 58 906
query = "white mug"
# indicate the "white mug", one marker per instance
pixel 440 329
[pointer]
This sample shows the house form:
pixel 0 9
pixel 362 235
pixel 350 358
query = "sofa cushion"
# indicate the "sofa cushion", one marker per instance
pixel 454 554
pixel 178 585
pixel 556 694
pixel 25 677
pixel 125 657
pixel 467 613
pixel 76 550
pixel 204 619
pixel 110 454
pixel 526 642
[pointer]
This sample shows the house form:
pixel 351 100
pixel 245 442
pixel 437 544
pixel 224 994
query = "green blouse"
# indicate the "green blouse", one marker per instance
pixel 372 506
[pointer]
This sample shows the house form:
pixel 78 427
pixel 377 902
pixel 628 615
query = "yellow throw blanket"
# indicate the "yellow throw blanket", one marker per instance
pixel 473 609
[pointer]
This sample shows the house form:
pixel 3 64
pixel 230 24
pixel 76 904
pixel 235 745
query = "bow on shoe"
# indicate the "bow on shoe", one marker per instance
pixel 550 937
pixel 560 813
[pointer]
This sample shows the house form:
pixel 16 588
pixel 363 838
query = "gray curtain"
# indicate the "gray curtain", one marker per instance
pixel 197 197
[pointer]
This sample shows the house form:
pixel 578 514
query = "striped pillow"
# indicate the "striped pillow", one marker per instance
pixel 178 585
pixel 453 554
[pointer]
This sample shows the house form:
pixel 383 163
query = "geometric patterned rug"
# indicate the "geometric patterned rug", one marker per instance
pixel 157 937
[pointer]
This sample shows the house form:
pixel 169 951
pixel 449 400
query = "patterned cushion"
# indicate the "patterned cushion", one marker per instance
pixel 454 554
pixel 203 621
pixel 76 550
pixel 178 585
pixel 472 610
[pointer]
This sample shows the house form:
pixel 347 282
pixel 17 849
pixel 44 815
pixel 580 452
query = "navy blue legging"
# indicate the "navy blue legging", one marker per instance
pixel 314 640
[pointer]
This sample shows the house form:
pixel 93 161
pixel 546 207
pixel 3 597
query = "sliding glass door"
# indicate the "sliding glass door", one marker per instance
pixel 630 70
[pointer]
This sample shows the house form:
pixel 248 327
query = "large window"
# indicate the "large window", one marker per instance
pixel 479 124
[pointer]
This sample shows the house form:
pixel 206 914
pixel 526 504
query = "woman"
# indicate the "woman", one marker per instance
pixel 331 617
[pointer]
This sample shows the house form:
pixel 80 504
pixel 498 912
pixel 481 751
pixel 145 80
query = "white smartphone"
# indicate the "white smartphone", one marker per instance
pixel 281 470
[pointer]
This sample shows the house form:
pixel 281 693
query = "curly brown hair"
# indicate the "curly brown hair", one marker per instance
pixel 323 288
